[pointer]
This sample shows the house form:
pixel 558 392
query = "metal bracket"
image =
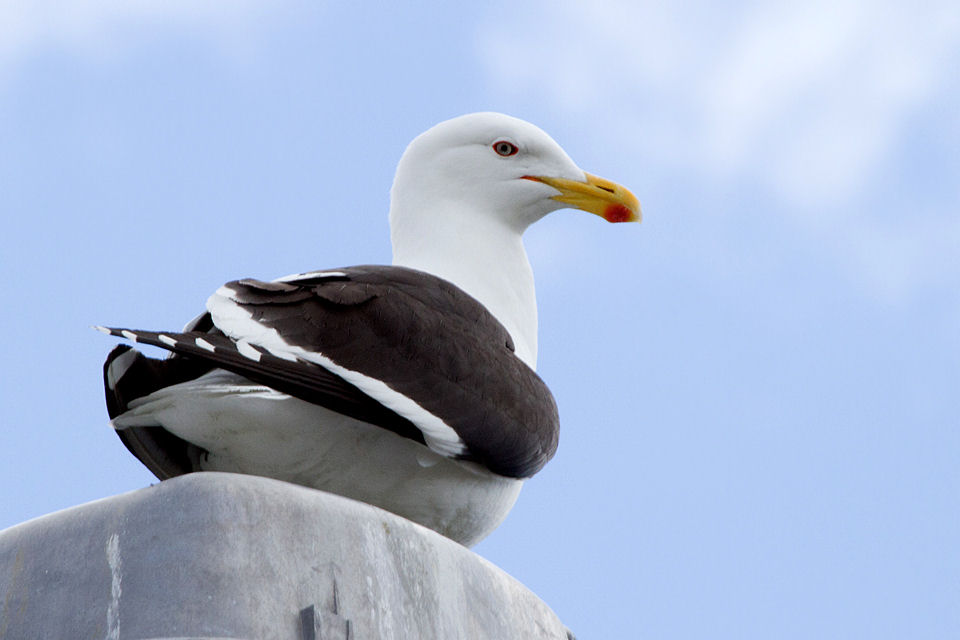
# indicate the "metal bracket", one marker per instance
pixel 319 623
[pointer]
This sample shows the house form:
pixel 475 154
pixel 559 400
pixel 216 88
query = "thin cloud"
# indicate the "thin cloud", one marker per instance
pixel 771 91
pixel 808 103
pixel 101 28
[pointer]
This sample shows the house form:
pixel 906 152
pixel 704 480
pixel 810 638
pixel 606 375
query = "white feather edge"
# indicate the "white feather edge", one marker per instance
pixel 310 274
pixel 239 324
pixel 119 367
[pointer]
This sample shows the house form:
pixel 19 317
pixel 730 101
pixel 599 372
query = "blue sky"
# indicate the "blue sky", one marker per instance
pixel 759 386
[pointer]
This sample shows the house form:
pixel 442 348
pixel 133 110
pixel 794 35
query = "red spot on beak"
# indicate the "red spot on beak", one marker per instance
pixel 617 213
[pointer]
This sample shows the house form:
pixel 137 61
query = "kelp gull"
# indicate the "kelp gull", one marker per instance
pixel 410 387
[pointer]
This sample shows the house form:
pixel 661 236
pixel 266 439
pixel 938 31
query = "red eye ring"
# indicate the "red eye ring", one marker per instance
pixel 505 148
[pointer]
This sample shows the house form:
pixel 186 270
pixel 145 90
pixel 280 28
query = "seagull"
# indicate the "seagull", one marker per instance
pixel 411 387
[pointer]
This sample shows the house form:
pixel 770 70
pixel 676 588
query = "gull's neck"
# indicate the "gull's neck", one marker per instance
pixel 480 254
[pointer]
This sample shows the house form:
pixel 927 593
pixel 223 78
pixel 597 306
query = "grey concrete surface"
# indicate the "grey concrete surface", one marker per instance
pixel 216 555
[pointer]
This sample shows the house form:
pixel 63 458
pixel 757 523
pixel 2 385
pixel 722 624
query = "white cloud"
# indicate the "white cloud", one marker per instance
pixel 820 91
pixel 100 28
pixel 806 102
pixel 811 94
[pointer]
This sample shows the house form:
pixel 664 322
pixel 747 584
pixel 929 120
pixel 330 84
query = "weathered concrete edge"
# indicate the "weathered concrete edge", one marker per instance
pixel 257 520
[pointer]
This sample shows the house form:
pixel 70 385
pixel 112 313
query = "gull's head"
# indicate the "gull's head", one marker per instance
pixel 501 168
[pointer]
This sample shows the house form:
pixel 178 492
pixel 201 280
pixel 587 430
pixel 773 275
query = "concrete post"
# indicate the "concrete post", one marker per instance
pixel 217 555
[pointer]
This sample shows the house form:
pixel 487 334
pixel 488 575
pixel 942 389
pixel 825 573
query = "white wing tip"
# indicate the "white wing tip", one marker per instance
pixel 247 351
pixel 203 344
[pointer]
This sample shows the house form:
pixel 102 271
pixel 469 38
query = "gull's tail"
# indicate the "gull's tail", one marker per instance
pixel 128 375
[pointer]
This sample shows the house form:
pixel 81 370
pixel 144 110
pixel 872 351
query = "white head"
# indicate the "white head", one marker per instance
pixel 494 165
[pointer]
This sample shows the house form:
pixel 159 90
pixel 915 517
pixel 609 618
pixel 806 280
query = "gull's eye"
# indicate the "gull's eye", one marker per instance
pixel 505 148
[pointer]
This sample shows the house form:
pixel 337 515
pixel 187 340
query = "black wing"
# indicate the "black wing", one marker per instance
pixel 395 347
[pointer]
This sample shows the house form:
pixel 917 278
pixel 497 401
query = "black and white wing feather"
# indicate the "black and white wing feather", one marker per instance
pixel 391 346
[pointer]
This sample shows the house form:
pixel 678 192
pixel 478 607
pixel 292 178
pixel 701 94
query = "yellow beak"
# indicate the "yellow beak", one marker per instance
pixel 609 200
